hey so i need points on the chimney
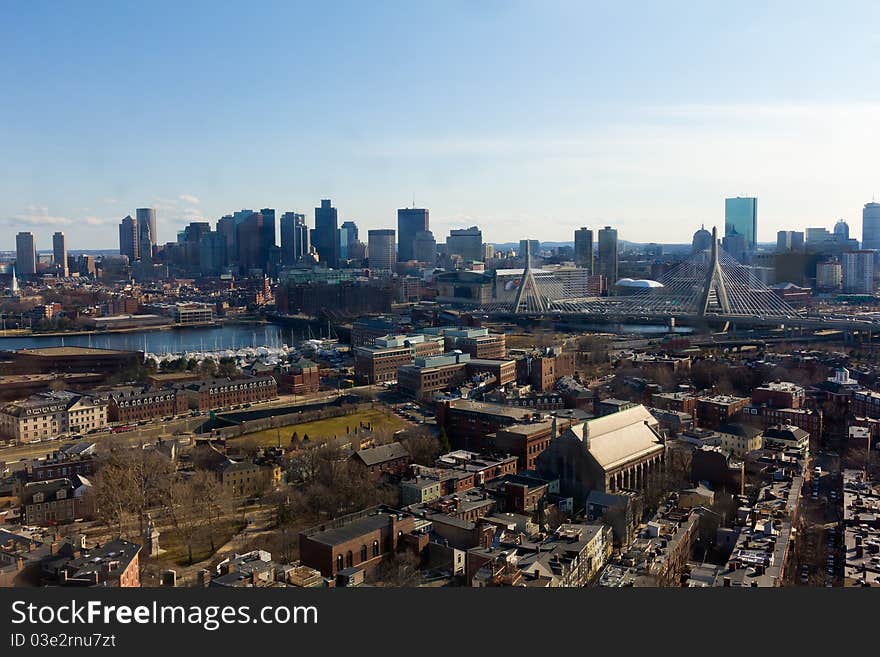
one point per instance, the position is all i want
(554, 428)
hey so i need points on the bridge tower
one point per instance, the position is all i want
(714, 281)
(528, 296)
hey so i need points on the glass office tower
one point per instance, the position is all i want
(741, 218)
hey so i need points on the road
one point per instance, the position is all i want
(820, 557)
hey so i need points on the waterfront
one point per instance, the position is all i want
(176, 340)
(234, 336)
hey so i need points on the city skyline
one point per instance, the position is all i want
(604, 131)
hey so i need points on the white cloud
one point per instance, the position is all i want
(37, 216)
(189, 198)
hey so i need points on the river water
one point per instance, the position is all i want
(233, 336)
(178, 340)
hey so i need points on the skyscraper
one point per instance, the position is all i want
(59, 253)
(466, 243)
(380, 249)
(409, 222)
(871, 226)
(607, 251)
(191, 239)
(534, 247)
(425, 247)
(741, 218)
(789, 240)
(226, 227)
(348, 236)
(25, 254)
(268, 245)
(294, 237)
(841, 231)
(269, 227)
(147, 235)
(858, 272)
(128, 238)
(583, 248)
(326, 235)
(253, 245)
(212, 253)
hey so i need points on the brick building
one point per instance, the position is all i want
(66, 462)
(135, 403)
(541, 368)
(504, 371)
(712, 412)
(363, 540)
(74, 359)
(681, 402)
(378, 362)
(223, 393)
(114, 564)
(430, 375)
(866, 403)
(525, 398)
(779, 395)
(527, 440)
(477, 342)
(466, 422)
(809, 420)
(391, 459)
(298, 378)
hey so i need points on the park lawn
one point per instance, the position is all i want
(321, 430)
(174, 549)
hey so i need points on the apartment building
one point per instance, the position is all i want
(55, 501)
(779, 395)
(136, 403)
(48, 415)
(866, 403)
(740, 439)
(223, 393)
(714, 411)
(378, 363)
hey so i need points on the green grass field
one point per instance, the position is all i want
(321, 430)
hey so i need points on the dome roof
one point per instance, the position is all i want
(638, 283)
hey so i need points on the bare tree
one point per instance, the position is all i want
(400, 570)
(185, 502)
(212, 502)
(128, 483)
(422, 445)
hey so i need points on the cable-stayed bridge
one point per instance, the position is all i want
(709, 286)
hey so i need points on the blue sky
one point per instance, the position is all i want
(528, 119)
